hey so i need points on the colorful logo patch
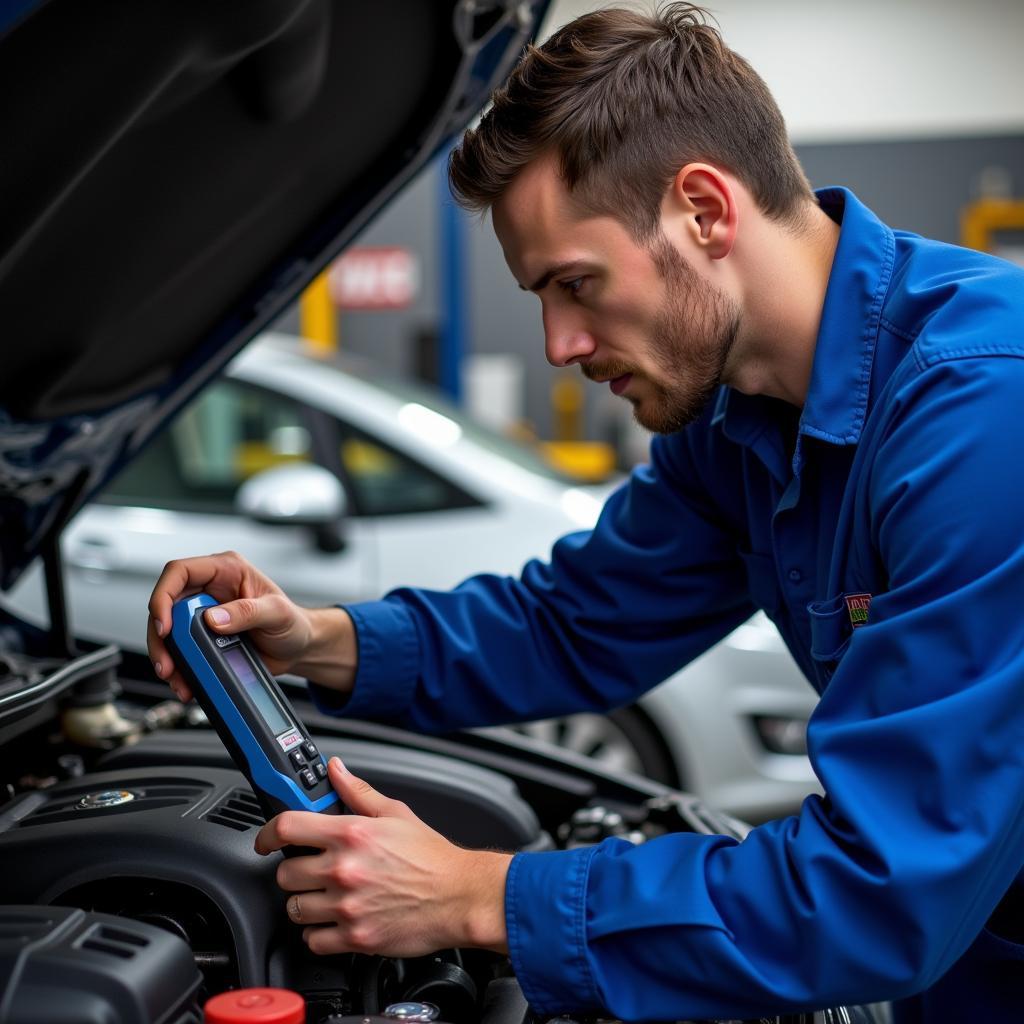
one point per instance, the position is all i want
(857, 606)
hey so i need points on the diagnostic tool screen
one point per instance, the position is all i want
(265, 704)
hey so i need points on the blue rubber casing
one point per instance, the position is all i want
(248, 738)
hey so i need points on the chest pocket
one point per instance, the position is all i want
(761, 581)
(831, 633)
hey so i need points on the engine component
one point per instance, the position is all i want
(184, 836)
(101, 726)
(415, 1013)
(89, 716)
(71, 766)
(181, 910)
(472, 806)
(177, 819)
(443, 983)
(390, 987)
(504, 1003)
(590, 825)
(680, 812)
(256, 1006)
(80, 968)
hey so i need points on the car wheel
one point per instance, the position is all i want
(622, 740)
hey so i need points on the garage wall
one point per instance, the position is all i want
(915, 105)
(919, 185)
(874, 69)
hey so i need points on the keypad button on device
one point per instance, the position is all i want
(309, 749)
(321, 770)
(297, 760)
(308, 778)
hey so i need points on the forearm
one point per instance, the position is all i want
(331, 655)
(579, 633)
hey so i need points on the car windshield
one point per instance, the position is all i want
(515, 451)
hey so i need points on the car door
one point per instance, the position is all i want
(431, 529)
(177, 498)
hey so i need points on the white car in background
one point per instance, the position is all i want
(341, 486)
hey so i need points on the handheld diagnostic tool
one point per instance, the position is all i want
(251, 714)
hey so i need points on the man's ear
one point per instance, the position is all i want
(704, 204)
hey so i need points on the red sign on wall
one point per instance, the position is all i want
(374, 278)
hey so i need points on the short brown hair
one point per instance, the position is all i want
(625, 99)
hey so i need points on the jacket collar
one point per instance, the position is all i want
(837, 398)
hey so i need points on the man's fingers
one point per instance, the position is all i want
(297, 828)
(164, 666)
(219, 574)
(301, 874)
(158, 653)
(237, 616)
(324, 941)
(157, 650)
(271, 613)
(307, 828)
(361, 797)
(182, 577)
(310, 908)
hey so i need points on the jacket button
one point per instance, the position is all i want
(795, 575)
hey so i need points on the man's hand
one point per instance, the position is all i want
(319, 643)
(385, 882)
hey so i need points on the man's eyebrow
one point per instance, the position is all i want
(559, 268)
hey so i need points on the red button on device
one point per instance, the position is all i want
(256, 1006)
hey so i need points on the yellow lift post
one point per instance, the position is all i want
(318, 319)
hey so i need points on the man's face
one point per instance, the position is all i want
(638, 317)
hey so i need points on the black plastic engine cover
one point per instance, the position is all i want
(472, 806)
(183, 834)
(172, 843)
(63, 964)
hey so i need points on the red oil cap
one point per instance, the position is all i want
(256, 1006)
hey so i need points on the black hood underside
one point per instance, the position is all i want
(172, 174)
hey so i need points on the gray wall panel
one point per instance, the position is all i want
(919, 185)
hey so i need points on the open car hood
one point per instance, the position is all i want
(174, 173)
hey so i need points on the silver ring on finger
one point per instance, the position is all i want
(294, 911)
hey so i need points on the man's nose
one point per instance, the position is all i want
(566, 341)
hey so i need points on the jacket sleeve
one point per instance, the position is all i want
(617, 610)
(875, 890)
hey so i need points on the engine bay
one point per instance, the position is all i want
(126, 829)
(121, 802)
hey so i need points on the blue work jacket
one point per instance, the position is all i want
(881, 528)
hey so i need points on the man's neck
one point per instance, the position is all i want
(788, 275)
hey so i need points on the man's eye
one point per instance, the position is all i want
(573, 286)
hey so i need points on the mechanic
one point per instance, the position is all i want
(837, 407)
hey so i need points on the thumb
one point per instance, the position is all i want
(247, 613)
(360, 797)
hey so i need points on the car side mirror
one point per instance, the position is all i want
(297, 494)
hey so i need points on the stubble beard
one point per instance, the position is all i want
(690, 342)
